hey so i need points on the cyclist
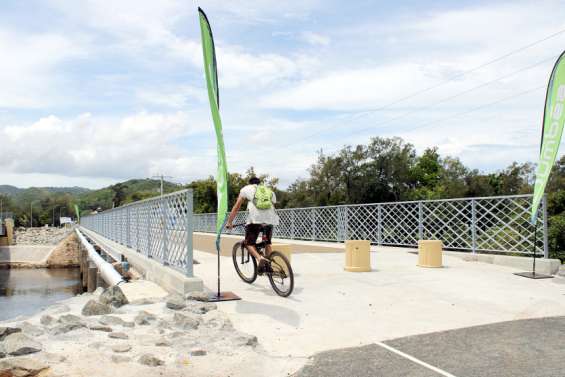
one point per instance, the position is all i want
(262, 217)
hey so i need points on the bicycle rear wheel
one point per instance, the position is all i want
(281, 276)
(244, 263)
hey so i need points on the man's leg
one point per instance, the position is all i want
(251, 234)
(268, 235)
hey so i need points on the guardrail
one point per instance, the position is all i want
(486, 224)
(159, 228)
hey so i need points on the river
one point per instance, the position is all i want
(27, 291)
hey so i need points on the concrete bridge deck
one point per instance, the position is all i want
(332, 309)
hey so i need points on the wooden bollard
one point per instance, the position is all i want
(92, 277)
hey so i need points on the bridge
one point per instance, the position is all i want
(401, 319)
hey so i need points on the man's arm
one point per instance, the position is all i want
(234, 212)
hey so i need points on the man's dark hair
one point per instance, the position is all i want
(254, 181)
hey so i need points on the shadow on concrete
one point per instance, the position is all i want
(275, 312)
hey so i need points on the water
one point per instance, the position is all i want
(27, 291)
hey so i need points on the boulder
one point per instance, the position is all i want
(93, 307)
(31, 330)
(46, 320)
(118, 335)
(144, 318)
(69, 318)
(100, 328)
(185, 321)
(175, 302)
(217, 320)
(5, 331)
(120, 359)
(111, 320)
(243, 339)
(2, 351)
(19, 344)
(121, 348)
(197, 296)
(22, 367)
(113, 296)
(68, 327)
(200, 307)
(150, 360)
(163, 343)
(98, 291)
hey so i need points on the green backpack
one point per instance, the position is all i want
(262, 199)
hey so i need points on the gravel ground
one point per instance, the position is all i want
(41, 236)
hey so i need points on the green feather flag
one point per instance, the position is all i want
(552, 130)
(213, 95)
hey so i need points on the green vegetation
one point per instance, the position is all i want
(385, 169)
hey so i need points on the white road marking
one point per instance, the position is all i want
(415, 360)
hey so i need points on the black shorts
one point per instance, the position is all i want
(252, 232)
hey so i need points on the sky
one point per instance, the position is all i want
(96, 92)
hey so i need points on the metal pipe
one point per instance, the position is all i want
(107, 271)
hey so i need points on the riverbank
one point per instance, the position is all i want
(170, 336)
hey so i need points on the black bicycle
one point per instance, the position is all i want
(278, 270)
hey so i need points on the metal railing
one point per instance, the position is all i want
(487, 224)
(159, 228)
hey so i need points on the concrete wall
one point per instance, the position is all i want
(25, 255)
(166, 277)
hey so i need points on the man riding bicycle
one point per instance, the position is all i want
(262, 217)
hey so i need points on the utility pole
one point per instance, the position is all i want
(162, 178)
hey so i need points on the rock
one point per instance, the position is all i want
(198, 352)
(144, 318)
(121, 348)
(185, 322)
(201, 307)
(197, 296)
(120, 359)
(5, 331)
(118, 335)
(163, 343)
(69, 318)
(46, 320)
(93, 307)
(19, 344)
(100, 328)
(22, 367)
(63, 329)
(2, 351)
(113, 296)
(111, 320)
(98, 291)
(31, 330)
(150, 360)
(217, 320)
(242, 339)
(175, 302)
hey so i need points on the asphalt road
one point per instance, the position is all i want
(528, 348)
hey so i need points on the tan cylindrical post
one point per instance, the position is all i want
(92, 277)
(357, 256)
(9, 223)
(284, 249)
(430, 253)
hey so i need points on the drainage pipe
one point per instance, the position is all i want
(107, 271)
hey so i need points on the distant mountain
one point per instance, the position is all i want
(9, 190)
(14, 191)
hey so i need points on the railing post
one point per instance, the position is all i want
(313, 219)
(345, 223)
(128, 227)
(420, 221)
(292, 223)
(545, 241)
(474, 226)
(379, 224)
(164, 213)
(189, 227)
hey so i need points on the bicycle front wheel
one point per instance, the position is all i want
(281, 276)
(245, 264)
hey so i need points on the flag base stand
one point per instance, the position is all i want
(223, 296)
(533, 275)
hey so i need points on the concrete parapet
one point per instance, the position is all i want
(543, 266)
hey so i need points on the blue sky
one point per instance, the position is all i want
(94, 92)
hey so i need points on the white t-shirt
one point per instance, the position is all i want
(256, 215)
